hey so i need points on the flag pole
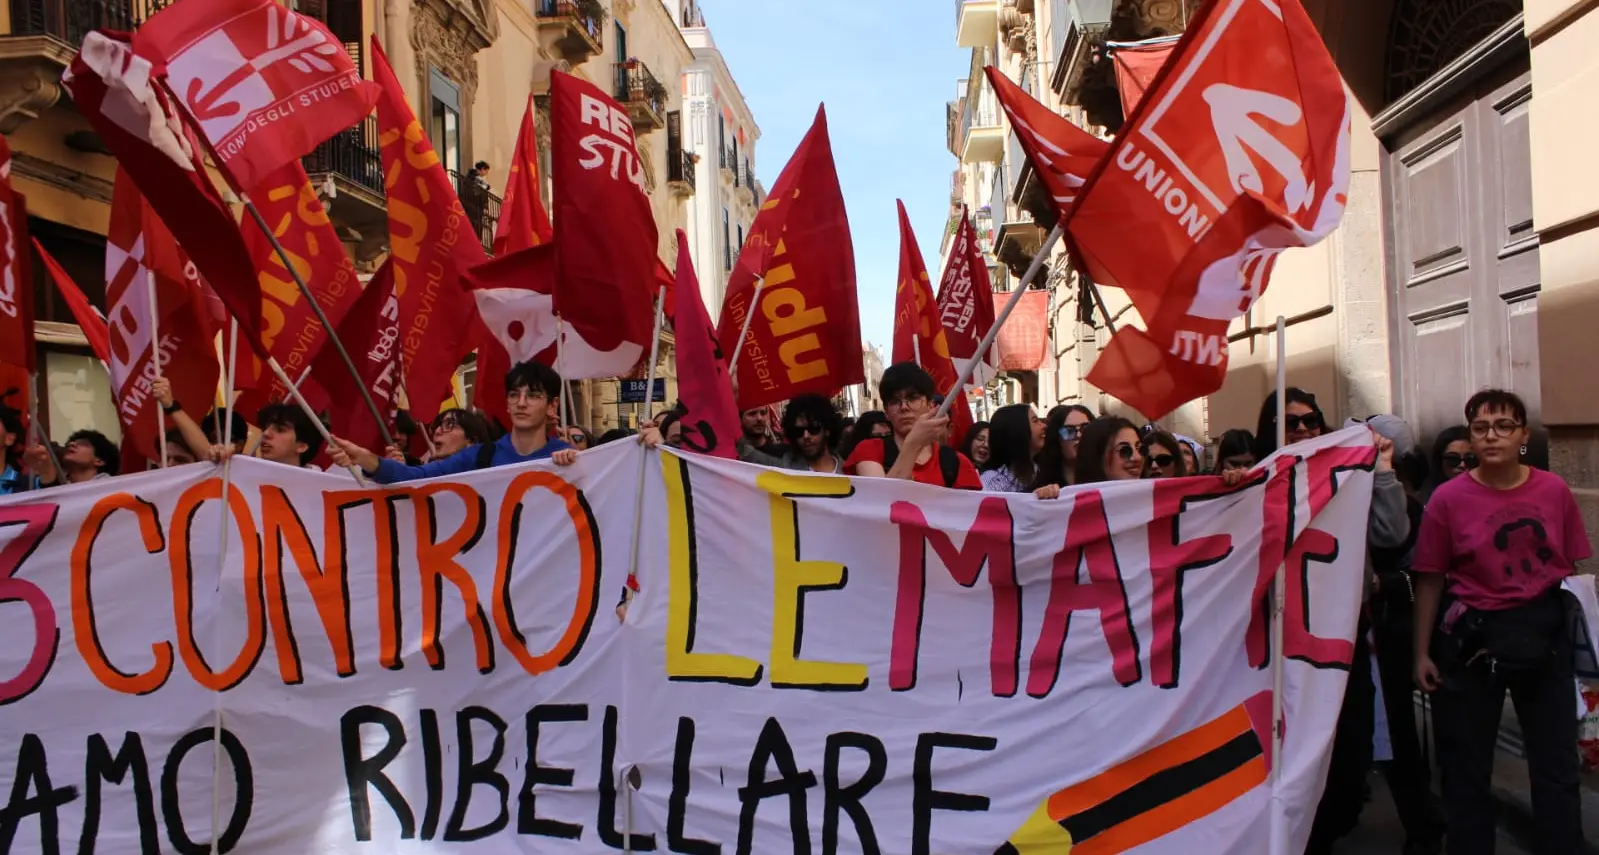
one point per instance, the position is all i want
(563, 406)
(649, 388)
(738, 347)
(294, 391)
(155, 359)
(38, 427)
(1004, 314)
(1279, 817)
(225, 429)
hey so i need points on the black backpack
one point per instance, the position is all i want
(949, 460)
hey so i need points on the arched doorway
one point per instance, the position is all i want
(1462, 251)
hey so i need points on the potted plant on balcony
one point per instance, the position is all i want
(655, 92)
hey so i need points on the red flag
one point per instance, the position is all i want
(291, 332)
(431, 243)
(16, 275)
(605, 255)
(523, 221)
(137, 122)
(264, 84)
(1137, 63)
(90, 321)
(371, 333)
(1023, 342)
(806, 333)
(141, 255)
(665, 279)
(1239, 151)
(966, 298)
(918, 334)
(704, 388)
(1062, 154)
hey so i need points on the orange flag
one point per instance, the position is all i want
(290, 330)
(918, 331)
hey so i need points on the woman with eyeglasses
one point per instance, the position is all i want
(1057, 463)
(1108, 449)
(1016, 435)
(1302, 420)
(1235, 451)
(455, 429)
(1451, 457)
(1502, 536)
(1163, 456)
(976, 447)
(577, 437)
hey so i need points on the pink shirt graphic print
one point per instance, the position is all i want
(1502, 548)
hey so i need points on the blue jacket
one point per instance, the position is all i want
(465, 460)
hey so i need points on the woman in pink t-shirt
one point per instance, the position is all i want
(1503, 536)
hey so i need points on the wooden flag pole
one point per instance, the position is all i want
(649, 387)
(1004, 314)
(738, 347)
(321, 316)
(38, 427)
(225, 429)
(1279, 821)
(155, 359)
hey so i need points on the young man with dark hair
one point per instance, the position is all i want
(288, 436)
(813, 429)
(918, 449)
(757, 426)
(88, 456)
(532, 393)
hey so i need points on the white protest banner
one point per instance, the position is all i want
(813, 664)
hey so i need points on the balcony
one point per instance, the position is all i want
(351, 163)
(976, 23)
(982, 136)
(681, 165)
(573, 27)
(729, 165)
(642, 95)
(482, 207)
(44, 36)
(744, 185)
(1083, 28)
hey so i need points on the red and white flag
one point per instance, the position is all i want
(16, 276)
(140, 256)
(114, 91)
(90, 321)
(704, 388)
(919, 336)
(1061, 153)
(966, 301)
(605, 232)
(1239, 150)
(370, 332)
(264, 84)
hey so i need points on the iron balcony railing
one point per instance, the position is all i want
(636, 84)
(71, 20)
(680, 166)
(482, 207)
(588, 15)
(353, 154)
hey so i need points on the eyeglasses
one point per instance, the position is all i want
(1070, 433)
(525, 395)
(1160, 460)
(448, 423)
(903, 401)
(1308, 421)
(1501, 428)
(1455, 461)
(1125, 451)
(577, 438)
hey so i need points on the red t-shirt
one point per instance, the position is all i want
(929, 472)
(1501, 548)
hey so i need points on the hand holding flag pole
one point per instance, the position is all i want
(993, 332)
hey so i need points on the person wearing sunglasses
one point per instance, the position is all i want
(1108, 449)
(1058, 461)
(577, 437)
(1303, 419)
(1502, 536)
(813, 429)
(1451, 457)
(1163, 455)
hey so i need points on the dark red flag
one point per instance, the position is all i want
(1239, 150)
(606, 237)
(704, 388)
(1061, 153)
(966, 300)
(89, 319)
(16, 274)
(1137, 63)
(805, 336)
(918, 333)
(141, 258)
(523, 220)
(371, 333)
(138, 123)
(264, 84)
(431, 241)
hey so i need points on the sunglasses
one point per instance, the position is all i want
(807, 430)
(1161, 460)
(577, 439)
(1070, 433)
(1125, 452)
(1308, 421)
(1454, 461)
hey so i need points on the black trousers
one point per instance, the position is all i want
(1345, 794)
(1466, 713)
(1408, 774)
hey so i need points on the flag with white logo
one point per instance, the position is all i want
(1061, 153)
(16, 279)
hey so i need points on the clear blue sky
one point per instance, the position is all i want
(885, 69)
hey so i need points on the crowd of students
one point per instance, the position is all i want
(1467, 549)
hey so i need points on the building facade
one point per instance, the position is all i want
(468, 68)
(1469, 252)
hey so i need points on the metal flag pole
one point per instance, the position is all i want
(993, 332)
(294, 391)
(155, 360)
(743, 331)
(333, 336)
(38, 427)
(644, 459)
(561, 410)
(225, 429)
(1279, 817)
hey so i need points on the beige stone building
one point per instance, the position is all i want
(1469, 255)
(468, 67)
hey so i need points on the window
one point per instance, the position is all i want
(740, 243)
(721, 138)
(621, 43)
(444, 120)
(727, 246)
